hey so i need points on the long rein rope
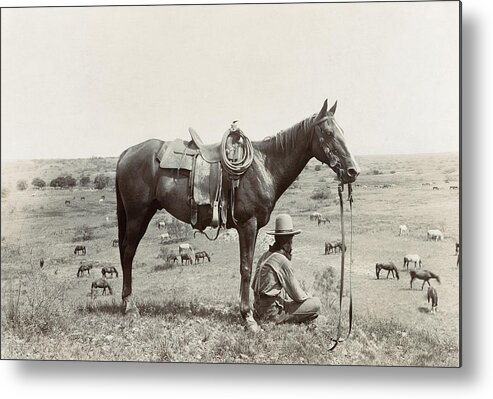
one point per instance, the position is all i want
(343, 252)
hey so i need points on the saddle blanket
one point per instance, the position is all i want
(176, 155)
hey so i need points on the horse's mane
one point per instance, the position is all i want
(288, 139)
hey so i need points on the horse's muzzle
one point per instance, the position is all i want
(349, 175)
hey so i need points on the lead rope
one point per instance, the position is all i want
(343, 251)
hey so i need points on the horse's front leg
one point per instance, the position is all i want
(247, 233)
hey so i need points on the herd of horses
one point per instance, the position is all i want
(417, 273)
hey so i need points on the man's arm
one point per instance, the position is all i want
(291, 284)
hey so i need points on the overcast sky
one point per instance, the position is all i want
(81, 82)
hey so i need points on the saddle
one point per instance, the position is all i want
(205, 164)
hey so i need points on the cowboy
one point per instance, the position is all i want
(278, 296)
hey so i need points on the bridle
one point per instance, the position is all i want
(335, 162)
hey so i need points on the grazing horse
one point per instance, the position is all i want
(187, 258)
(322, 220)
(412, 258)
(109, 270)
(435, 235)
(82, 198)
(315, 216)
(142, 187)
(424, 275)
(84, 268)
(202, 255)
(101, 283)
(433, 295)
(403, 230)
(80, 249)
(332, 246)
(390, 267)
(453, 187)
(67, 202)
(114, 242)
(435, 188)
(171, 257)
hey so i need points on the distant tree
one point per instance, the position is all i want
(38, 183)
(84, 181)
(70, 181)
(101, 181)
(21, 184)
(58, 182)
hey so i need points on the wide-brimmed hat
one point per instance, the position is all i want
(284, 226)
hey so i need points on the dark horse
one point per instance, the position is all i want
(142, 187)
(84, 268)
(424, 275)
(433, 296)
(80, 249)
(109, 270)
(101, 283)
(202, 255)
(390, 267)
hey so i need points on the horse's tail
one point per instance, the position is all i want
(122, 219)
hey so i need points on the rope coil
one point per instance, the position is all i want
(237, 168)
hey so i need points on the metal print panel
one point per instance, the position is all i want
(263, 183)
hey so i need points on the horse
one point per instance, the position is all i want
(315, 216)
(109, 270)
(332, 246)
(435, 188)
(453, 187)
(415, 258)
(161, 225)
(80, 249)
(102, 198)
(187, 258)
(84, 268)
(165, 237)
(322, 220)
(142, 187)
(433, 295)
(435, 235)
(41, 263)
(67, 202)
(424, 275)
(390, 267)
(202, 255)
(114, 243)
(82, 198)
(403, 230)
(171, 257)
(101, 283)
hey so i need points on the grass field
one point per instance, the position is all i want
(191, 314)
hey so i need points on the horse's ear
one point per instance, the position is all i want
(333, 109)
(323, 111)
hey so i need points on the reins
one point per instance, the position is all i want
(343, 255)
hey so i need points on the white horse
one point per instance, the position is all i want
(315, 216)
(435, 235)
(164, 237)
(415, 258)
(403, 230)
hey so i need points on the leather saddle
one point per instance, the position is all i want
(210, 152)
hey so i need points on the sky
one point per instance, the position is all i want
(93, 81)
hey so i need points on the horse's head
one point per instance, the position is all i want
(329, 145)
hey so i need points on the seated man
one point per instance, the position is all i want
(278, 294)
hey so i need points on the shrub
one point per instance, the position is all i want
(83, 233)
(37, 305)
(38, 183)
(5, 192)
(101, 181)
(163, 266)
(392, 172)
(320, 194)
(84, 181)
(326, 284)
(70, 181)
(177, 229)
(317, 168)
(21, 185)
